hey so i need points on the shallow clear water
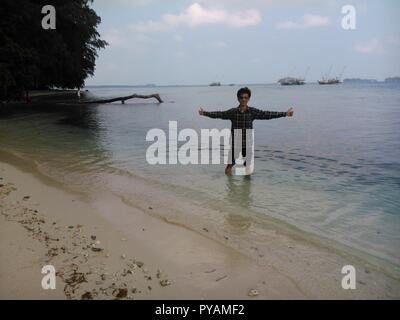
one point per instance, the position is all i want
(333, 169)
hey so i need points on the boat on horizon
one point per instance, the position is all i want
(329, 81)
(294, 81)
(291, 81)
(326, 80)
(215, 84)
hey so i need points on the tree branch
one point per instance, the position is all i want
(123, 99)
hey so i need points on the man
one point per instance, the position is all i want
(242, 117)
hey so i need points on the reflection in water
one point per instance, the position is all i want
(85, 117)
(239, 196)
(65, 141)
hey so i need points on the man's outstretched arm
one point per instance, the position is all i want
(267, 115)
(216, 114)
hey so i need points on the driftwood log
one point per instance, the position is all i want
(123, 99)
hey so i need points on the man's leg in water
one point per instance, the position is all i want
(228, 169)
(229, 166)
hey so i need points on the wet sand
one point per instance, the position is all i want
(106, 248)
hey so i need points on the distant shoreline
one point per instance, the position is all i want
(229, 85)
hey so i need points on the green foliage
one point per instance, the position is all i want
(34, 58)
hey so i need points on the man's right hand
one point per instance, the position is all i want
(201, 111)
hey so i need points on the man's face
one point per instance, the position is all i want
(244, 99)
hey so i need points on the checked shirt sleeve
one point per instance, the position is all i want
(218, 114)
(267, 115)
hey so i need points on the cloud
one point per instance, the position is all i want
(178, 38)
(393, 39)
(308, 21)
(127, 3)
(180, 54)
(114, 38)
(371, 46)
(196, 15)
(390, 43)
(123, 39)
(272, 3)
(219, 44)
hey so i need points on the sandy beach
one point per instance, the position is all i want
(104, 249)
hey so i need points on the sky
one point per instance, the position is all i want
(196, 42)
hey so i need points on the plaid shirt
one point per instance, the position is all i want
(244, 120)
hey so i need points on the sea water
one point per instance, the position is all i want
(333, 169)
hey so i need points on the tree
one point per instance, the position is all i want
(34, 58)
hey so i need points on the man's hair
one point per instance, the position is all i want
(243, 91)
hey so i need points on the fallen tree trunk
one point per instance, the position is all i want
(123, 99)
